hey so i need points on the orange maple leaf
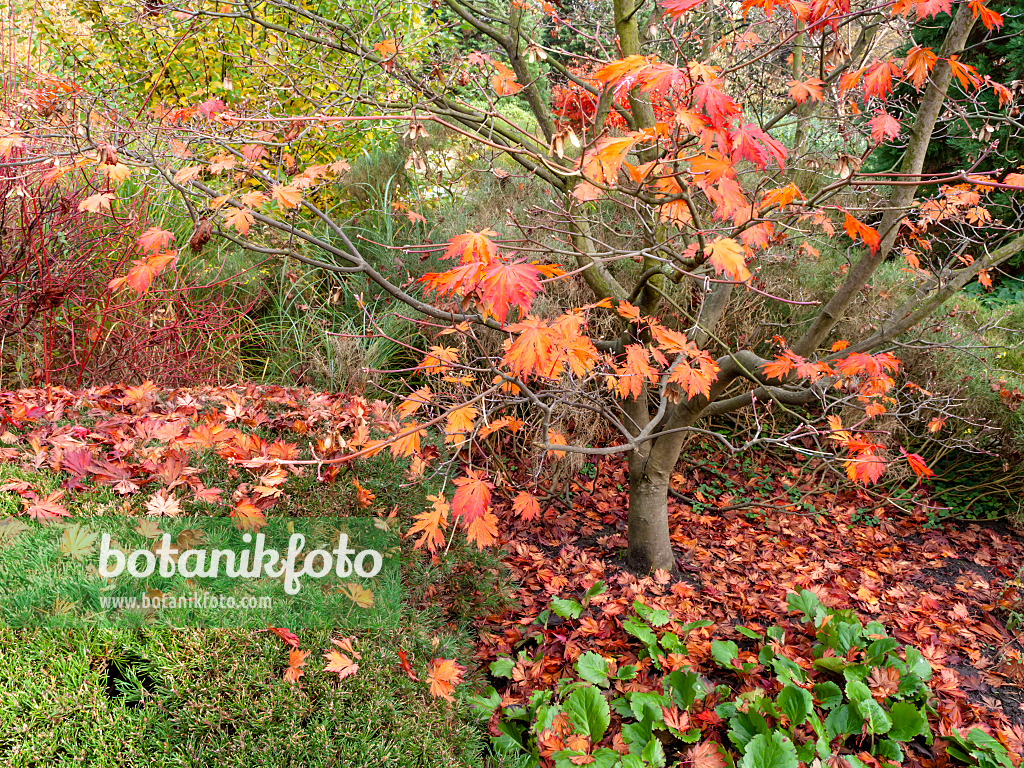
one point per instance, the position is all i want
(460, 424)
(917, 464)
(878, 78)
(535, 351)
(340, 663)
(247, 515)
(155, 239)
(884, 126)
(695, 376)
(634, 373)
(443, 675)
(296, 660)
(526, 506)
(364, 496)
(504, 286)
(286, 635)
(96, 203)
(286, 197)
(710, 168)
(782, 196)
(407, 441)
(505, 422)
(728, 257)
(989, 18)
(431, 523)
(603, 163)
(188, 173)
(856, 230)
(802, 90)
(239, 219)
(504, 80)
(919, 64)
(386, 48)
(140, 276)
(676, 8)
(483, 530)
(611, 73)
(439, 360)
(413, 402)
(472, 247)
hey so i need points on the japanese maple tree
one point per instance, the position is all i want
(679, 167)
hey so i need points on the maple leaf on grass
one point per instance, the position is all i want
(148, 529)
(162, 503)
(247, 516)
(207, 495)
(286, 635)
(296, 661)
(77, 541)
(364, 496)
(359, 595)
(432, 524)
(443, 675)
(403, 659)
(340, 663)
(47, 509)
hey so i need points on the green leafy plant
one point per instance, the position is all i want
(856, 691)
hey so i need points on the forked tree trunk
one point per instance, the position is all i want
(650, 470)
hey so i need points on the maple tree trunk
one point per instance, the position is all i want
(650, 470)
(650, 547)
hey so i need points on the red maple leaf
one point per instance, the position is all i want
(472, 496)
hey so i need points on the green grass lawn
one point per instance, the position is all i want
(204, 697)
(212, 698)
